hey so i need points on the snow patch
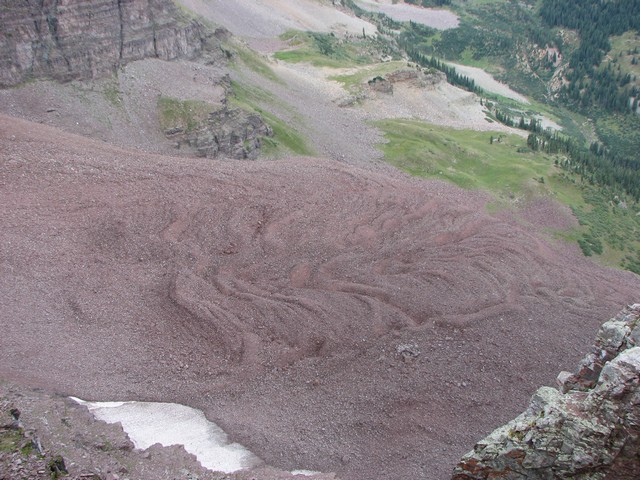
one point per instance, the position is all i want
(168, 424)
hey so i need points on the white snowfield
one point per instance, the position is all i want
(173, 424)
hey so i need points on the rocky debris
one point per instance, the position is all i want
(417, 77)
(297, 263)
(411, 76)
(228, 132)
(21, 452)
(92, 38)
(78, 447)
(589, 429)
(380, 85)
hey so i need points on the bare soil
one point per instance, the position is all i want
(279, 297)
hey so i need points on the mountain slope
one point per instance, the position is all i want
(279, 297)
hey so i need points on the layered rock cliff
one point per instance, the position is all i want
(82, 39)
(589, 428)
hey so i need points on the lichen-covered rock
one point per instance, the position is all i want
(589, 430)
(83, 39)
(615, 336)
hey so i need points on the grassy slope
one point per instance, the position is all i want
(511, 172)
(286, 139)
(506, 168)
(327, 50)
(184, 114)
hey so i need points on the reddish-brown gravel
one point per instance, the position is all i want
(276, 296)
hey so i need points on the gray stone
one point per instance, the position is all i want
(589, 430)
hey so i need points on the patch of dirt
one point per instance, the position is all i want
(443, 105)
(545, 213)
(440, 104)
(275, 297)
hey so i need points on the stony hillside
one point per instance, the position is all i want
(337, 316)
(326, 316)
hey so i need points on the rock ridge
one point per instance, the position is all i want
(84, 39)
(589, 428)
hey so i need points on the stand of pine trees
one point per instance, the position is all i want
(590, 84)
(453, 77)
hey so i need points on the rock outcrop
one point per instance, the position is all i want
(83, 39)
(228, 132)
(589, 428)
(417, 78)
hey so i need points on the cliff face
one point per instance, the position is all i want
(82, 39)
(588, 429)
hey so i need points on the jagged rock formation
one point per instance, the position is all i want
(83, 39)
(588, 429)
(230, 132)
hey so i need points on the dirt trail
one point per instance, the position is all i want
(278, 297)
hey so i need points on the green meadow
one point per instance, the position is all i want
(504, 166)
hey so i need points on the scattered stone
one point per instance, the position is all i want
(408, 351)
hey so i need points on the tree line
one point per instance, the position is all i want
(453, 77)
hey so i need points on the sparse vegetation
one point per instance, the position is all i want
(354, 80)
(112, 92)
(328, 50)
(286, 139)
(253, 61)
(10, 440)
(186, 115)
